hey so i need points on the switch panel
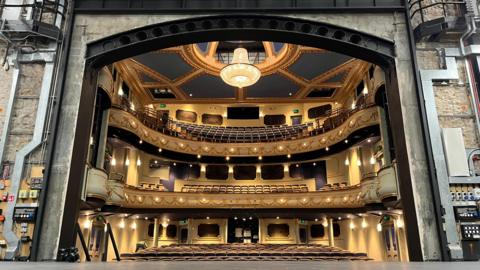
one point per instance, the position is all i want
(466, 213)
(25, 214)
(470, 231)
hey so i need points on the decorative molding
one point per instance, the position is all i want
(124, 120)
(345, 198)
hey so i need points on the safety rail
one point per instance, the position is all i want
(429, 17)
(37, 19)
(219, 134)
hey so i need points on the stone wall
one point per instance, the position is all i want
(5, 85)
(452, 98)
(25, 109)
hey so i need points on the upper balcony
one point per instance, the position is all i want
(178, 136)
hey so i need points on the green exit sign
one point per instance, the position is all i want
(163, 105)
(296, 110)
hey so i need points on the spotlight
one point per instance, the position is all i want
(278, 217)
(235, 218)
(314, 164)
(160, 150)
(199, 156)
(327, 149)
(140, 142)
(260, 158)
(208, 217)
(289, 156)
(227, 158)
(346, 141)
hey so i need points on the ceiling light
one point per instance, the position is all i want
(260, 158)
(199, 156)
(139, 162)
(346, 141)
(140, 142)
(240, 73)
(227, 158)
(314, 164)
(190, 94)
(289, 156)
(326, 148)
(290, 94)
(160, 150)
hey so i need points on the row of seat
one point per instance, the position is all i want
(221, 134)
(243, 251)
(246, 189)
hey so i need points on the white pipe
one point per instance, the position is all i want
(9, 228)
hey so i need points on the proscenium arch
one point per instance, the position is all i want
(236, 27)
(241, 27)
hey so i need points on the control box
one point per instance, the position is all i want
(466, 213)
(470, 231)
(25, 214)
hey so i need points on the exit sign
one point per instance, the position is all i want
(296, 110)
(163, 105)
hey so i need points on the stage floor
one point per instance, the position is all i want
(239, 266)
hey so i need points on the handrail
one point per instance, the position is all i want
(417, 7)
(332, 119)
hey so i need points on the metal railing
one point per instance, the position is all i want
(422, 11)
(166, 125)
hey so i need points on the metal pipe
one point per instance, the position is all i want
(471, 29)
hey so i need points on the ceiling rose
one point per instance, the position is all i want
(240, 73)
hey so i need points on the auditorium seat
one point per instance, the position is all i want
(238, 251)
(244, 189)
(221, 134)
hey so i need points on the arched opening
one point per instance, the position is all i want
(335, 39)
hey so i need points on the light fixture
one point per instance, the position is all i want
(208, 217)
(235, 218)
(379, 227)
(346, 141)
(140, 142)
(199, 156)
(134, 225)
(113, 161)
(353, 105)
(174, 164)
(160, 150)
(227, 158)
(399, 223)
(289, 156)
(347, 162)
(139, 162)
(121, 225)
(364, 224)
(278, 217)
(352, 225)
(240, 73)
(120, 92)
(372, 160)
(314, 164)
(326, 148)
(325, 222)
(86, 224)
(359, 163)
(260, 157)
(127, 162)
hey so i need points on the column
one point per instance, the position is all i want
(155, 232)
(331, 237)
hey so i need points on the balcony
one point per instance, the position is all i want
(216, 140)
(372, 190)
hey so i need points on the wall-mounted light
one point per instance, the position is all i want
(86, 224)
(134, 225)
(373, 160)
(359, 162)
(352, 225)
(113, 161)
(120, 92)
(379, 227)
(347, 162)
(199, 156)
(139, 162)
(121, 225)
(132, 106)
(353, 105)
(325, 222)
(227, 158)
(260, 157)
(364, 223)
(399, 223)
(160, 150)
(127, 161)
(327, 149)
(289, 156)
(140, 141)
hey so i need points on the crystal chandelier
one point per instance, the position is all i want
(240, 73)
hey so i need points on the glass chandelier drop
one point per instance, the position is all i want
(240, 73)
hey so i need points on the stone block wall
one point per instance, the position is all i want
(5, 85)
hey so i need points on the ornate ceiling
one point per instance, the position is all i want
(290, 73)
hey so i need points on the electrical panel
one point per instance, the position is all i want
(470, 231)
(466, 213)
(25, 214)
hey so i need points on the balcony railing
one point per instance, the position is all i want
(431, 17)
(220, 134)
